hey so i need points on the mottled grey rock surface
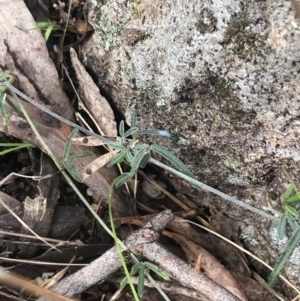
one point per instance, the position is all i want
(225, 76)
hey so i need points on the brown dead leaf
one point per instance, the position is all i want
(97, 164)
(211, 266)
(225, 252)
(97, 105)
(87, 141)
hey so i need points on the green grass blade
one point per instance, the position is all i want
(177, 163)
(21, 145)
(118, 247)
(48, 32)
(281, 226)
(15, 144)
(284, 257)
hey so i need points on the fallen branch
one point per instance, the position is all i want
(143, 243)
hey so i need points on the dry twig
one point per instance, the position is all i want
(143, 243)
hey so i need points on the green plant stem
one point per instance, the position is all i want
(215, 191)
(21, 145)
(118, 247)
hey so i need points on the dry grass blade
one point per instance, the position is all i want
(15, 281)
(57, 277)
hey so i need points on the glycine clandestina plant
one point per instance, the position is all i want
(137, 154)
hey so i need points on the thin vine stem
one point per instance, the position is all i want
(118, 247)
(214, 191)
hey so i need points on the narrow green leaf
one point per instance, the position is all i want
(42, 25)
(14, 148)
(141, 280)
(15, 107)
(288, 191)
(4, 113)
(72, 171)
(119, 158)
(9, 144)
(281, 226)
(177, 163)
(141, 146)
(121, 128)
(122, 179)
(291, 210)
(80, 155)
(145, 160)
(116, 146)
(157, 270)
(294, 198)
(130, 132)
(128, 156)
(123, 283)
(48, 32)
(69, 144)
(293, 224)
(290, 179)
(284, 257)
(4, 75)
(138, 158)
(135, 268)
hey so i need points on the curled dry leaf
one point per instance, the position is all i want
(90, 95)
(87, 140)
(212, 267)
(97, 164)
